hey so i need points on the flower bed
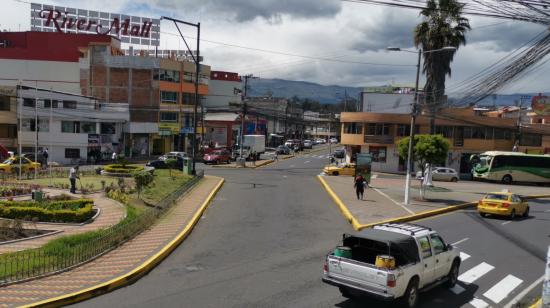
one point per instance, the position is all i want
(78, 210)
(126, 169)
(16, 189)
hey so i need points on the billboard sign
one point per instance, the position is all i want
(541, 105)
(129, 29)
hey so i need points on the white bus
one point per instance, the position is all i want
(509, 167)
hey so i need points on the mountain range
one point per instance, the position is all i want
(332, 94)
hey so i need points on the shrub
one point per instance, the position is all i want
(51, 211)
(118, 195)
(143, 180)
(118, 168)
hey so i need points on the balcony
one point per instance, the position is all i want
(381, 139)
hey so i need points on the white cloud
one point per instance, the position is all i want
(323, 28)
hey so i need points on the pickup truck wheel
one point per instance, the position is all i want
(335, 173)
(345, 292)
(452, 278)
(526, 213)
(410, 299)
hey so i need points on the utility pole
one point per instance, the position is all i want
(328, 139)
(244, 110)
(411, 133)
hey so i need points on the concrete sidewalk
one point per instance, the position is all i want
(384, 198)
(114, 265)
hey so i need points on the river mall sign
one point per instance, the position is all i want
(131, 29)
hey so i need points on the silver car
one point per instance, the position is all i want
(441, 174)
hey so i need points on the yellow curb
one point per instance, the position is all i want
(267, 162)
(536, 196)
(537, 304)
(345, 211)
(136, 273)
(421, 215)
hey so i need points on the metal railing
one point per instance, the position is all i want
(51, 259)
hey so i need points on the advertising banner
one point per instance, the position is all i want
(129, 29)
(541, 105)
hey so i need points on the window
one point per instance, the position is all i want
(425, 248)
(8, 131)
(29, 102)
(439, 245)
(378, 154)
(72, 153)
(108, 128)
(167, 75)
(69, 104)
(378, 129)
(188, 98)
(353, 128)
(70, 127)
(50, 103)
(168, 116)
(29, 125)
(502, 134)
(4, 103)
(188, 77)
(88, 127)
(532, 140)
(404, 130)
(168, 97)
(446, 131)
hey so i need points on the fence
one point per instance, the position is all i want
(47, 260)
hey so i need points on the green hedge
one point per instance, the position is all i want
(117, 168)
(55, 211)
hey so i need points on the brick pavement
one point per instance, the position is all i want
(117, 262)
(111, 213)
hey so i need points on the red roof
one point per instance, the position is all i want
(47, 46)
(228, 76)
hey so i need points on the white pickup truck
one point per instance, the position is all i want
(419, 257)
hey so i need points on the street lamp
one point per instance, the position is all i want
(413, 113)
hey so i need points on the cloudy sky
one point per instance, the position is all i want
(267, 38)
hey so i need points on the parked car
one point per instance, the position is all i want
(503, 204)
(339, 153)
(441, 174)
(12, 163)
(217, 157)
(392, 262)
(161, 164)
(283, 150)
(320, 141)
(333, 140)
(172, 155)
(308, 144)
(345, 169)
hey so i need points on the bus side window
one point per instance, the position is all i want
(497, 162)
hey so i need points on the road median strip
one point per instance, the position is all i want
(137, 272)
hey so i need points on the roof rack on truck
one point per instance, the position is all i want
(407, 227)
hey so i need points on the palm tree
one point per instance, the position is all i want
(442, 26)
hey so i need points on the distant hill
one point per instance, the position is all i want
(333, 94)
(302, 89)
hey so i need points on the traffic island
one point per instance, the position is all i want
(248, 164)
(382, 200)
(120, 266)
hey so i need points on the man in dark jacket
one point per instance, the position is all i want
(359, 185)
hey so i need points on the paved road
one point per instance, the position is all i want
(264, 247)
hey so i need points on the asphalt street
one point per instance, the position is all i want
(262, 243)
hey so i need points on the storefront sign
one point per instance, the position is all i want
(186, 130)
(93, 140)
(130, 29)
(541, 105)
(173, 128)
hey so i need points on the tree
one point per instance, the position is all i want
(143, 179)
(171, 163)
(442, 26)
(430, 149)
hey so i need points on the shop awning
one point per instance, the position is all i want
(221, 116)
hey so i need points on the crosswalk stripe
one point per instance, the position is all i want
(457, 289)
(476, 272)
(464, 256)
(479, 303)
(501, 290)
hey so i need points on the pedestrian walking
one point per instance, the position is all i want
(73, 175)
(114, 157)
(276, 156)
(45, 155)
(254, 157)
(359, 185)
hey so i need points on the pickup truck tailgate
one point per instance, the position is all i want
(357, 274)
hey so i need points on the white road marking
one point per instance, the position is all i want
(374, 176)
(500, 290)
(401, 205)
(307, 161)
(457, 289)
(284, 176)
(547, 211)
(506, 222)
(479, 303)
(476, 272)
(464, 256)
(292, 166)
(462, 240)
(522, 294)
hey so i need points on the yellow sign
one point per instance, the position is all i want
(172, 127)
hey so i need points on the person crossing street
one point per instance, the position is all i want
(359, 185)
